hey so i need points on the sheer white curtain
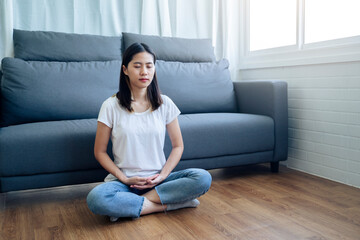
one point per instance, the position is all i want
(216, 19)
(6, 27)
(226, 35)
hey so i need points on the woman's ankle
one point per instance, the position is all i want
(151, 207)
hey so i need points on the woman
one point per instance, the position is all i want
(141, 180)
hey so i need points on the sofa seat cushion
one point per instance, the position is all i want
(221, 134)
(62, 146)
(48, 147)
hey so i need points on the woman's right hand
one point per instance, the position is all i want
(136, 181)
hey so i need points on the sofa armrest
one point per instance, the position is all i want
(267, 98)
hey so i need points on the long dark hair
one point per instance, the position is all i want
(124, 93)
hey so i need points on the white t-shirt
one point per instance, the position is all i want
(137, 138)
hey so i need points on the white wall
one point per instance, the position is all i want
(324, 118)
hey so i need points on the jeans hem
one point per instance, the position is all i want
(141, 207)
(159, 195)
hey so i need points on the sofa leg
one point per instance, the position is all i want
(274, 167)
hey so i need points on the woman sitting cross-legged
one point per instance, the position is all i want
(141, 179)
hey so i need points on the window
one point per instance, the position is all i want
(272, 23)
(331, 19)
(296, 32)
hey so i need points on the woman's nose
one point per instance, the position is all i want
(143, 71)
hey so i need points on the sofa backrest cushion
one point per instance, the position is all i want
(43, 91)
(56, 46)
(197, 87)
(174, 49)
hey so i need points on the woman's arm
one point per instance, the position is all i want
(174, 132)
(100, 150)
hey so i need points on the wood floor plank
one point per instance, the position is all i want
(246, 202)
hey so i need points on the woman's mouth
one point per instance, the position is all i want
(144, 79)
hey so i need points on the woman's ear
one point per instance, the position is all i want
(125, 70)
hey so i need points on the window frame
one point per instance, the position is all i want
(331, 51)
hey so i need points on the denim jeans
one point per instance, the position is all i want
(119, 200)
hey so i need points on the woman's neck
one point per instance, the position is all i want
(139, 95)
(140, 101)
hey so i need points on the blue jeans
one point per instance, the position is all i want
(119, 200)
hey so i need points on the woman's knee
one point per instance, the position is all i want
(93, 200)
(203, 178)
(98, 197)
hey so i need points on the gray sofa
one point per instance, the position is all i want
(52, 90)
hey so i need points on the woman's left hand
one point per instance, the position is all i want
(151, 182)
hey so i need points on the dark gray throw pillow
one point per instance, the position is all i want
(197, 87)
(43, 91)
(174, 49)
(56, 46)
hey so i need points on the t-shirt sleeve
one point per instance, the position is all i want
(106, 114)
(172, 111)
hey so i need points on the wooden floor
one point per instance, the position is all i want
(243, 203)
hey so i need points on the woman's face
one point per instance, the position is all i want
(140, 70)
